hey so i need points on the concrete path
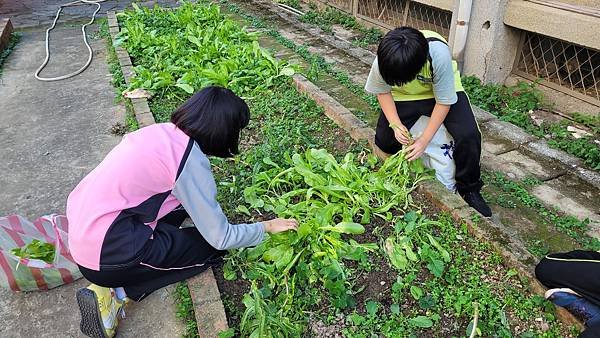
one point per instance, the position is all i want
(51, 135)
(32, 13)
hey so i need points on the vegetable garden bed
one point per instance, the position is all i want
(370, 258)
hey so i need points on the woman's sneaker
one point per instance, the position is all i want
(100, 311)
(577, 305)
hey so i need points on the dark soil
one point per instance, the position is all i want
(232, 293)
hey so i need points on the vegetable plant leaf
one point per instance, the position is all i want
(421, 321)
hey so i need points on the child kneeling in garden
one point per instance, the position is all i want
(573, 279)
(125, 216)
(414, 75)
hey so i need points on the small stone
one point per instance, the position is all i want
(539, 319)
(382, 283)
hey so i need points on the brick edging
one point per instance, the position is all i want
(513, 251)
(141, 109)
(6, 30)
(535, 146)
(206, 298)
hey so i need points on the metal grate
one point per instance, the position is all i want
(394, 13)
(344, 5)
(386, 13)
(562, 65)
(426, 17)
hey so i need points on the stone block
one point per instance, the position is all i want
(123, 56)
(482, 116)
(112, 19)
(440, 196)
(541, 148)
(113, 31)
(208, 308)
(503, 238)
(590, 176)
(125, 61)
(554, 198)
(517, 165)
(507, 131)
(140, 106)
(363, 134)
(494, 144)
(145, 119)
(576, 189)
(128, 73)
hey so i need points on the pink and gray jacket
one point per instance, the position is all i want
(113, 211)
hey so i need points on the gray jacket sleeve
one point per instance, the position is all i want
(195, 188)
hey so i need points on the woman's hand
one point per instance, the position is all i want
(415, 150)
(401, 134)
(279, 225)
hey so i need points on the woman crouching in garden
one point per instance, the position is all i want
(125, 216)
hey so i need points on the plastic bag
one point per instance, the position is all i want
(439, 153)
(20, 274)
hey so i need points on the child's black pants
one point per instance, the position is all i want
(170, 256)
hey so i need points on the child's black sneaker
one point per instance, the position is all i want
(577, 305)
(476, 201)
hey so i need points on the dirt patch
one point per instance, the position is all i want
(232, 293)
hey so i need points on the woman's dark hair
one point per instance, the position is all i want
(401, 55)
(213, 117)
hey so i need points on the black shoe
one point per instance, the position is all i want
(476, 201)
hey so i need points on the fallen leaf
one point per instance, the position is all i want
(137, 94)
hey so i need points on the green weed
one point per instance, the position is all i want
(317, 63)
(513, 104)
(514, 194)
(185, 310)
(117, 79)
(12, 42)
(324, 19)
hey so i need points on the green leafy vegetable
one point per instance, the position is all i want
(36, 249)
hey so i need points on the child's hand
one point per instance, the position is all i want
(401, 134)
(279, 225)
(415, 150)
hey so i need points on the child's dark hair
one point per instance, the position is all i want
(401, 55)
(213, 117)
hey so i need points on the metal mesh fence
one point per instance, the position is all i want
(426, 17)
(561, 63)
(344, 5)
(387, 13)
(394, 13)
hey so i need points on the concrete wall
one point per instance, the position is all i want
(587, 3)
(442, 4)
(491, 45)
(565, 25)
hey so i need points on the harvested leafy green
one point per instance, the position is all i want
(36, 250)
(330, 199)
